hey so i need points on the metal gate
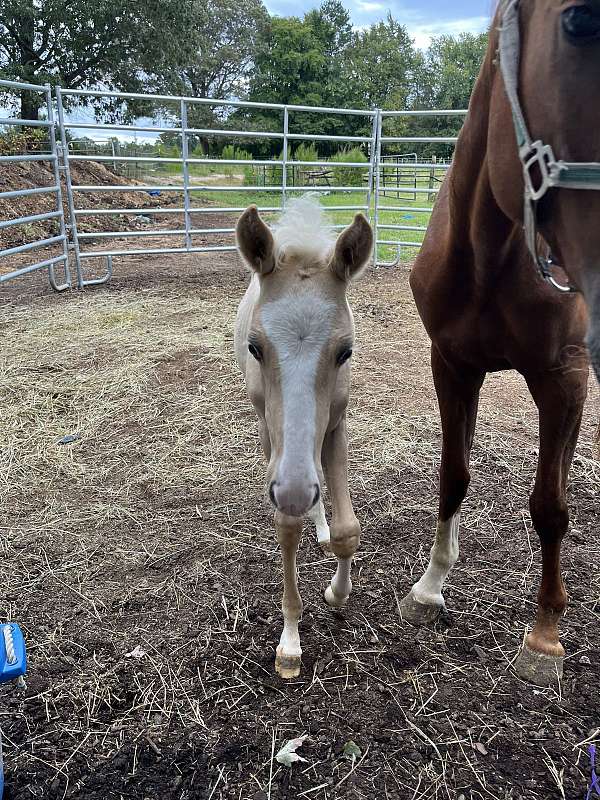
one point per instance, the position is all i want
(277, 170)
(407, 235)
(54, 248)
(282, 177)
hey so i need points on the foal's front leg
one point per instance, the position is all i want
(345, 528)
(317, 515)
(289, 653)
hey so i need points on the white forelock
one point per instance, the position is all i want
(303, 231)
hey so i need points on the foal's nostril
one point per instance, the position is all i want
(272, 493)
(317, 495)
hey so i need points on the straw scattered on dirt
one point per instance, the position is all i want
(142, 563)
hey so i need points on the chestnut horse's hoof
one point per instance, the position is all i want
(539, 668)
(419, 614)
(333, 601)
(287, 667)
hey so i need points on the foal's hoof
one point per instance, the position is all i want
(539, 668)
(287, 667)
(419, 614)
(332, 599)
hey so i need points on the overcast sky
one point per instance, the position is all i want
(423, 18)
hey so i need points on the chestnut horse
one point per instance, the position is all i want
(294, 336)
(486, 306)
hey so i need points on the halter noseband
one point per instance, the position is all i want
(553, 173)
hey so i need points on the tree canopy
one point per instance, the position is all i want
(85, 43)
(224, 49)
(222, 38)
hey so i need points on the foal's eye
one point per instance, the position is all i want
(343, 356)
(581, 23)
(255, 351)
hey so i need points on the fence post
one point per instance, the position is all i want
(284, 156)
(64, 152)
(378, 125)
(372, 162)
(186, 174)
(59, 200)
(432, 172)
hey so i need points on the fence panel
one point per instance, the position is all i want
(411, 180)
(183, 182)
(191, 174)
(20, 259)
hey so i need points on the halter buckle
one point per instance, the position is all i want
(540, 155)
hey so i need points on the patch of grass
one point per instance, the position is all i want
(402, 207)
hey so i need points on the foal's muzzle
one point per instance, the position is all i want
(294, 499)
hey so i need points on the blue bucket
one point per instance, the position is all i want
(13, 665)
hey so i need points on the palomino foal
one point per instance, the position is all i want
(294, 335)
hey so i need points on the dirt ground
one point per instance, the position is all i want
(142, 565)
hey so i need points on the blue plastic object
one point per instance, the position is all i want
(13, 665)
(13, 661)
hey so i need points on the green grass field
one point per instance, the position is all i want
(329, 198)
(412, 204)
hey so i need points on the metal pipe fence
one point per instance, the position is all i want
(190, 189)
(415, 178)
(195, 182)
(49, 261)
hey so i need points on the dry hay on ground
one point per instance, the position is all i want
(143, 566)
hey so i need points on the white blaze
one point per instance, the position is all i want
(298, 326)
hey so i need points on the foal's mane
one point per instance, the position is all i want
(303, 233)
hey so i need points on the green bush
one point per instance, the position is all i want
(16, 141)
(232, 153)
(271, 176)
(306, 152)
(349, 176)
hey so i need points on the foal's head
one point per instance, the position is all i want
(559, 86)
(300, 340)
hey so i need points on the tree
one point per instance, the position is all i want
(81, 43)
(290, 65)
(301, 62)
(444, 78)
(222, 38)
(332, 29)
(451, 68)
(379, 66)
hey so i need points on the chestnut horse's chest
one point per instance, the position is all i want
(512, 323)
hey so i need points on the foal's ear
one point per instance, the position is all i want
(255, 242)
(353, 249)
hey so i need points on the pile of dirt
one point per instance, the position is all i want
(35, 174)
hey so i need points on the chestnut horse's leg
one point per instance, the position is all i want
(288, 658)
(345, 528)
(458, 397)
(560, 397)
